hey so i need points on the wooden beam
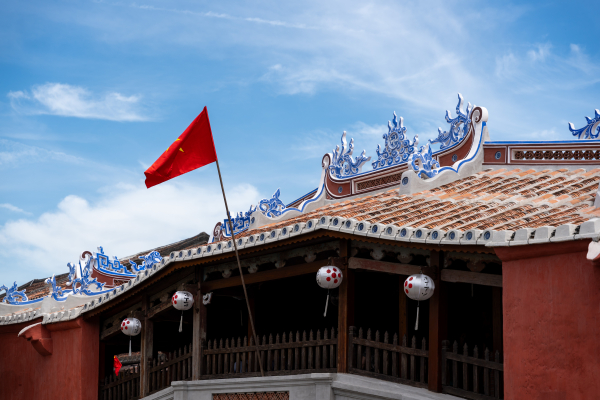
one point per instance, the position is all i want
(452, 275)
(108, 332)
(281, 273)
(345, 306)
(171, 288)
(437, 322)
(383, 266)
(159, 308)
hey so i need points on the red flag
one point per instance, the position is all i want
(193, 149)
(117, 364)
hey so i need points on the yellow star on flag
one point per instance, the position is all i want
(180, 149)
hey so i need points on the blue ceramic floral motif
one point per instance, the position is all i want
(397, 145)
(12, 293)
(590, 131)
(343, 164)
(459, 126)
(272, 207)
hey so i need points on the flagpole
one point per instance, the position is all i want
(241, 273)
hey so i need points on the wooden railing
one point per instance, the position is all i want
(126, 386)
(478, 378)
(389, 361)
(169, 367)
(284, 356)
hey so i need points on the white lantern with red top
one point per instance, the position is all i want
(329, 277)
(183, 301)
(419, 287)
(131, 327)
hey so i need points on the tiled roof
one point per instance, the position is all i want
(165, 251)
(37, 288)
(493, 208)
(499, 199)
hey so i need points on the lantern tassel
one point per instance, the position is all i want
(130, 346)
(326, 304)
(181, 323)
(417, 322)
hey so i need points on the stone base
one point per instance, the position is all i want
(300, 387)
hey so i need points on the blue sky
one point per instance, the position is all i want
(91, 93)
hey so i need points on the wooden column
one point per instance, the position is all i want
(102, 366)
(403, 323)
(345, 307)
(437, 321)
(199, 327)
(147, 348)
(253, 311)
(497, 319)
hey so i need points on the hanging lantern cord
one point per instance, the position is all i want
(130, 346)
(326, 303)
(417, 322)
(181, 322)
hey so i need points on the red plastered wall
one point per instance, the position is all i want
(551, 303)
(71, 372)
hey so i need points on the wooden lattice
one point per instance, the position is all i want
(252, 396)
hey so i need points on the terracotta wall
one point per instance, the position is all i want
(551, 300)
(70, 372)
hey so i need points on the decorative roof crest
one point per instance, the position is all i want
(343, 164)
(398, 147)
(423, 163)
(149, 260)
(457, 132)
(272, 207)
(590, 131)
(57, 291)
(103, 262)
(12, 293)
(83, 283)
(240, 223)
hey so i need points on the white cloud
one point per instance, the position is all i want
(360, 129)
(75, 101)
(540, 53)
(14, 153)
(210, 14)
(13, 208)
(124, 220)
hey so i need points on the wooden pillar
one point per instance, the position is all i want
(147, 348)
(253, 311)
(403, 323)
(345, 307)
(102, 366)
(199, 327)
(437, 321)
(497, 319)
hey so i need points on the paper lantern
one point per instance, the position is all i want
(419, 287)
(329, 277)
(131, 327)
(182, 300)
